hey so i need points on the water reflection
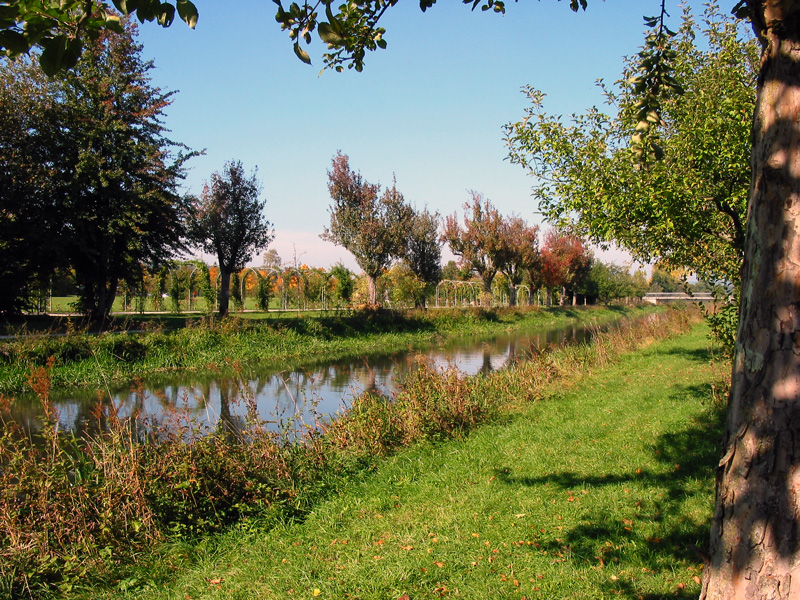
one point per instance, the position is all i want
(285, 399)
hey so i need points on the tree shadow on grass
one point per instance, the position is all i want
(702, 355)
(664, 498)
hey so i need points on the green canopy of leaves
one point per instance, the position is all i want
(685, 210)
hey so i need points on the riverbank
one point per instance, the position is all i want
(77, 358)
(603, 488)
(110, 498)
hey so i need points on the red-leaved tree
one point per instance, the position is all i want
(565, 260)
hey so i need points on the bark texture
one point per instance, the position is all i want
(754, 551)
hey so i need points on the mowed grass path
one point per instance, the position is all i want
(601, 490)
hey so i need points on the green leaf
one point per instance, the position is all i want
(112, 23)
(9, 13)
(302, 54)
(122, 6)
(60, 53)
(328, 35)
(167, 15)
(14, 42)
(188, 12)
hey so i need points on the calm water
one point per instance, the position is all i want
(297, 395)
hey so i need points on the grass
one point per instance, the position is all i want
(602, 488)
(120, 356)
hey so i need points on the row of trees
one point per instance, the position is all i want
(380, 228)
(196, 286)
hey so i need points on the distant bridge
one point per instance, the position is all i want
(666, 297)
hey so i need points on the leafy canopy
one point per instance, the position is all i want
(61, 28)
(685, 210)
(370, 225)
(90, 180)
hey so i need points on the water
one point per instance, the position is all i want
(290, 397)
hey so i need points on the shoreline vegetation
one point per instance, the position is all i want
(128, 510)
(132, 349)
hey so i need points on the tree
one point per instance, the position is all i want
(477, 244)
(517, 253)
(91, 179)
(271, 259)
(687, 210)
(344, 285)
(663, 280)
(27, 189)
(370, 227)
(565, 261)
(755, 538)
(228, 221)
(423, 252)
(120, 182)
(607, 282)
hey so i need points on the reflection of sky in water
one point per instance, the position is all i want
(303, 394)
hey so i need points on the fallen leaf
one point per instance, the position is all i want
(407, 547)
(439, 564)
(316, 592)
(697, 580)
(216, 581)
(378, 557)
(681, 585)
(404, 597)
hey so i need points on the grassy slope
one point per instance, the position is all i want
(599, 491)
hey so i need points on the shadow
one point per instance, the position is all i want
(664, 494)
(702, 355)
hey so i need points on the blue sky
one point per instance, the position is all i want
(428, 110)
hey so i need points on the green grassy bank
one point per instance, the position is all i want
(601, 488)
(146, 346)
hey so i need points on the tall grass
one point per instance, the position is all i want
(72, 508)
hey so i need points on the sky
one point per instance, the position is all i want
(427, 111)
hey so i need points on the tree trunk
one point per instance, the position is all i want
(372, 290)
(486, 297)
(224, 290)
(563, 296)
(755, 538)
(549, 298)
(512, 295)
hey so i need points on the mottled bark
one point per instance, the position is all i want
(755, 542)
